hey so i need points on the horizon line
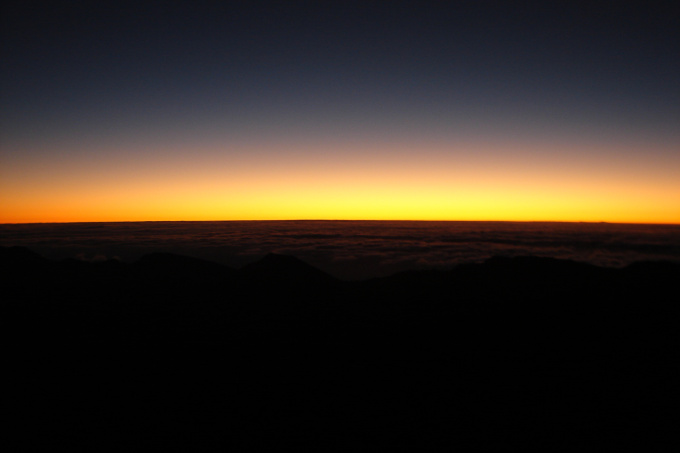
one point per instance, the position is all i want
(346, 220)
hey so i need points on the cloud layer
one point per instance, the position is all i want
(353, 249)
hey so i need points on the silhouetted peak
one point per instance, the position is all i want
(533, 263)
(170, 262)
(654, 266)
(275, 259)
(19, 255)
(284, 266)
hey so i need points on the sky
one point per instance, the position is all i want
(135, 111)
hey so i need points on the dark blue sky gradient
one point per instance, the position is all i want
(123, 74)
(350, 62)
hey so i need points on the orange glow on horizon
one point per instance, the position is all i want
(368, 183)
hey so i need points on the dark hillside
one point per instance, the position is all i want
(513, 353)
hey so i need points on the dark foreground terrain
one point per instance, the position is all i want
(509, 355)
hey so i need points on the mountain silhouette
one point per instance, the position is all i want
(285, 267)
(18, 256)
(505, 354)
(164, 265)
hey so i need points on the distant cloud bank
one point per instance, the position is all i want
(353, 249)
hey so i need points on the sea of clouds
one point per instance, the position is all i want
(352, 249)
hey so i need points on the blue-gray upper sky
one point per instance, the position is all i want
(114, 65)
(79, 76)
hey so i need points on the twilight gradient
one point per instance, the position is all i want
(117, 111)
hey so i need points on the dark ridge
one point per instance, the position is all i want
(651, 267)
(170, 263)
(285, 267)
(19, 256)
(503, 355)
(534, 263)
